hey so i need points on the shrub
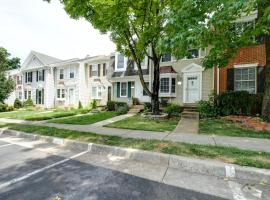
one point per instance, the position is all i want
(173, 110)
(164, 102)
(94, 104)
(3, 107)
(135, 101)
(17, 103)
(208, 109)
(120, 104)
(147, 106)
(111, 106)
(239, 103)
(28, 103)
(80, 105)
(122, 110)
(10, 108)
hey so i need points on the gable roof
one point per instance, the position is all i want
(42, 60)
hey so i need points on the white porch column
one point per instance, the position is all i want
(49, 89)
(82, 84)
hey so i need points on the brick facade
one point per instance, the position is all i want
(246, 55)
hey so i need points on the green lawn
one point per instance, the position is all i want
(86, 119)
(223, 127)
(225, 154)
(38, 115)
(140, 123)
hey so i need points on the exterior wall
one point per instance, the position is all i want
(247, 55)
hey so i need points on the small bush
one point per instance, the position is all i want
(94, 104)
(164, 102)
(111, 106)
(122, 110)
(5, 108)
(208, 109)
(28, 103)
(80, 105)
(17, 103)
(135, 101)
(10, 108)
(147, 106)
(120, 104)
(173, 110)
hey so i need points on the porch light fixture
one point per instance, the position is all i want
(179, 83)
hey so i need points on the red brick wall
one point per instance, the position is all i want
(246, 55)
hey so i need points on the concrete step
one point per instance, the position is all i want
(190, 115)
(134, 111)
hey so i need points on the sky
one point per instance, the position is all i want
(27, 25)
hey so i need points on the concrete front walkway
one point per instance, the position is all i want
(238, 142)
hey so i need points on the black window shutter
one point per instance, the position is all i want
(230, 79)
(43, 75)
(26, 77)
(31, 76)
(104, 69)
(260, 79)
(37, 96)
(118, 89)
(42, 96)
(37, 77)
(98, 69)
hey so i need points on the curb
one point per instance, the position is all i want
(205, 167)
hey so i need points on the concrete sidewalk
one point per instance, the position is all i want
(238, 142)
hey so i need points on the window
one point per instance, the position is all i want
(123, 90)
(95, 70)
(71, 72)
(120, 61)
(19, 80)
(60, 93)
(165, 85)
(29, 95)
(245, 79)
(96, 92)
(173, 86)
(144, 92)
(40, 74)
(61, 74)
(25, 94)
(166, 58)
(193, 53)
(28, 77)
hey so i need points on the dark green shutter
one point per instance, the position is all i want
(43, 75)
(37, 76)
(118, 89)
(129, 89)
(260, 79)
(36, 96)
(42, 96)
(230, 79)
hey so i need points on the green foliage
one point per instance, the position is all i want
(238, 103)
(111, 105)
(94, 104)
(5, 108)
(135, 101)
(208, 108)
(147, 106)
(164, 102)
(28, 103)
(80, 105)
(18, 104)
(173, 110)
(122, 110)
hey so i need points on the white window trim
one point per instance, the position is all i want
(99, 89)
(121, 89)
(60, 74)
(116, 62)
(94, 76)
(61, 92)
(170, 76)
(40, 72)
(72, 68)
(247, 66)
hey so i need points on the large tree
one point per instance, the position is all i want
(136, 27)
(213, 23)
(6, 84)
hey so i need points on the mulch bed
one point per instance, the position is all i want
(255, 123)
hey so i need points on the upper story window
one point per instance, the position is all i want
(40, 75)
(71, 72)
(166, 58)
(28, 77)
(19, 80)
(95, 70)
(193, 53)
(120, 61)
(61, 74)
(245, 79)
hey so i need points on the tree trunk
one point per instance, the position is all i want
(266, 96)
(262, 5)
(155, 93)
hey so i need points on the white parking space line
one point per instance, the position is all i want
(236, 191)
(5, 145)
(26, 176)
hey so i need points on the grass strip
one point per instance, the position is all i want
(86, 119)
(225, 154)
(140, 123)
(223, 127)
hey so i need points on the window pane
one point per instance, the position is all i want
(245, 79)
(63, 93)
(166, 58)
(164, 85)
(95, 70)
(123, 89)
(173, 85)
(120, 61)
(193, 53)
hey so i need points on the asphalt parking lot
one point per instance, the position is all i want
(46, 171)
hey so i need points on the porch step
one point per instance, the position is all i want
(136, 109)
(190, 115)
(190, 107)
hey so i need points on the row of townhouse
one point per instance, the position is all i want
(52, 82)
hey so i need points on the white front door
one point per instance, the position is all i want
(71, 96)
(192, 88)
